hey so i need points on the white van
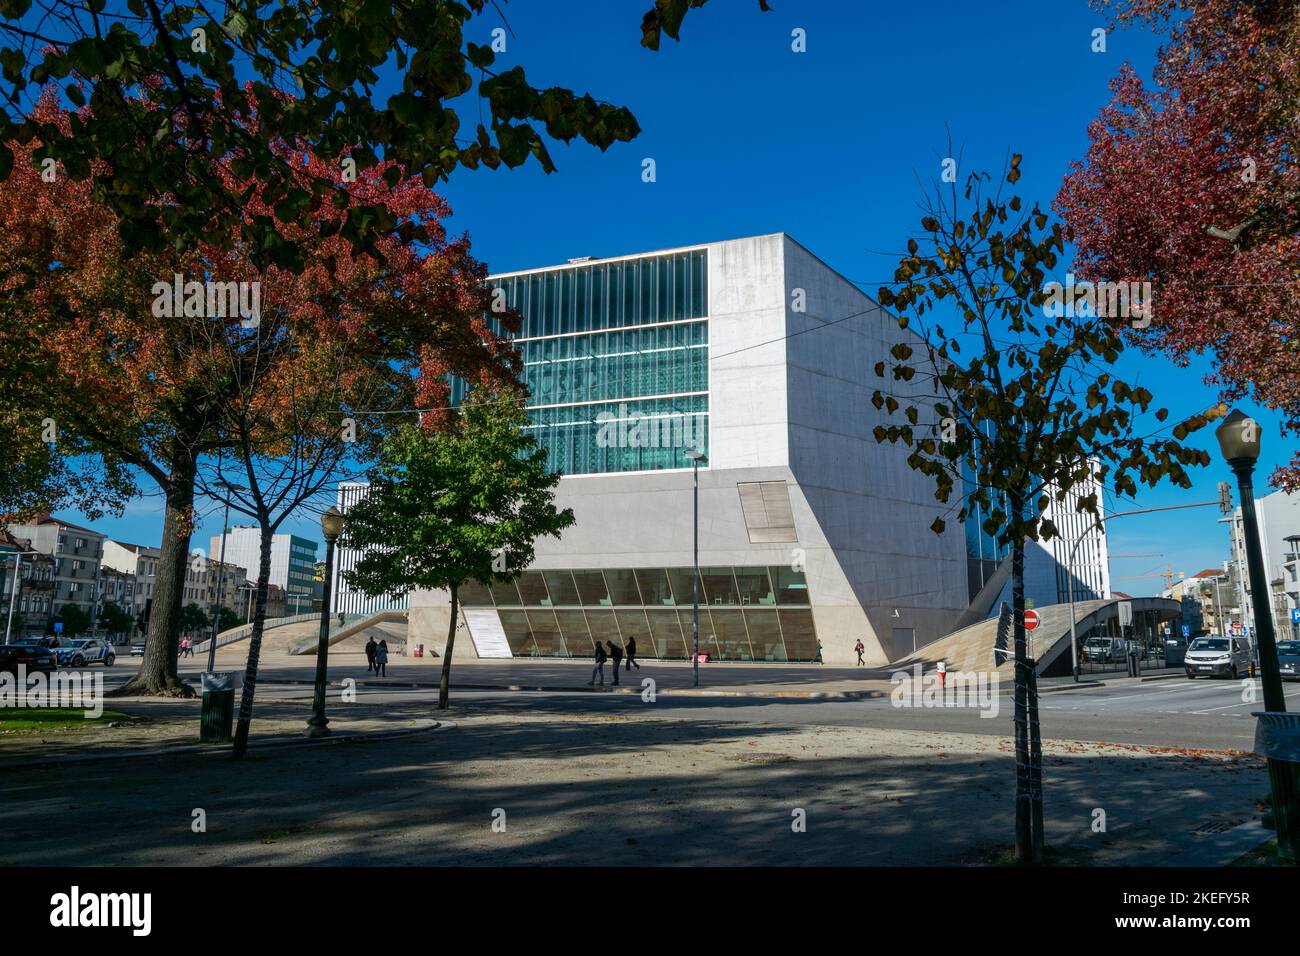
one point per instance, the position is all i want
(1214, 656)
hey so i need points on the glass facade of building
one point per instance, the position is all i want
(746, 613)
(616, 359)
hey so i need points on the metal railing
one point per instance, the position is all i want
(245, 630)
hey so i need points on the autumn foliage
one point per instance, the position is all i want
(1192, 182)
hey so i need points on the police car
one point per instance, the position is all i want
(87, 651)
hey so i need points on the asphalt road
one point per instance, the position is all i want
(1199, 714)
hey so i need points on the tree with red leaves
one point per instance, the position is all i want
(148, 378)
(1192, 183)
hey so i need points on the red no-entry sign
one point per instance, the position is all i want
(1031, 620)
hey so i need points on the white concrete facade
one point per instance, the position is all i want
(792, 347)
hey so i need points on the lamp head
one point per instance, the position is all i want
(331, 523)
(1238, 437)
(697, 456)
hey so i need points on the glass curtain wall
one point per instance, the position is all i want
(616, 361)
(746, 613)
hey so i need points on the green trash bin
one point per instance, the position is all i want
(217, 715)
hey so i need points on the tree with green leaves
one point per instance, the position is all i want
(227, 619)
(114, 620)
(1022, 404)
(445, 508)
(194, 619)
(75, 620)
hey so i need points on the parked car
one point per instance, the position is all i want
(32, 656)
(1105, 650)
(85, 651)
(1288, 659)
(1218, 656)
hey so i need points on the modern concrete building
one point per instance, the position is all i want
(1278, 515)
(293, 562)
(345, 597)
(759, 355)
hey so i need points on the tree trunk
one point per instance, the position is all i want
(1024, 806)
(1035, 764)
(254, 648)
(444, 682)
(157, 674)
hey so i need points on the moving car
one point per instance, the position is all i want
(1288, 659)
(85, 651)
(1221, 656)
(32, 656)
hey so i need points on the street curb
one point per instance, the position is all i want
(610, 689)
(273, 743)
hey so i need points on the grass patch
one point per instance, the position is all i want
(275, 836)
(1263, 855)
(32, 720)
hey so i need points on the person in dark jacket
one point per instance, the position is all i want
(381, 659)
(371, 647)
(631, 653)
(616, 653)
(600, 666)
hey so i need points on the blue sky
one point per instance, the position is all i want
(749, 137)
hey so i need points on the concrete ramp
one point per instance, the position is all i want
(387, 626)
(971, 648)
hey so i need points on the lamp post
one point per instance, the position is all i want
(697, 458)
(1239, 441)
(331, 524)
(221, 576)
(13, 589)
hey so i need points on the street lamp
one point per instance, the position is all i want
(697, 458)
(1239, 441)
(331, 525)
(13, 589)
(221, 576)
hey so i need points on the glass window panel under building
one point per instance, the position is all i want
(765, 635)
(591, 588)
(560, 585)
(666, 634)
(546, 633)
(798, 634)
(532, 589)
(730, 634)
(622, 586)
(603, 627)
(519, 634)
(686, 617)
(654, 586)
(791, 586)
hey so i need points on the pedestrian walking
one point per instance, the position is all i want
(942, 668)
(371, 646)
(859, 648)
(185, 646)
(381, 659)
(631, 653)
(818, 658)
(616, 653)
(600, 666)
